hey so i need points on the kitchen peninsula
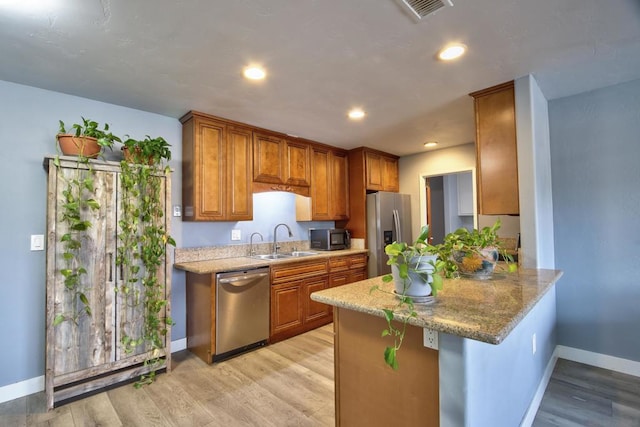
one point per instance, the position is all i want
(494, 340)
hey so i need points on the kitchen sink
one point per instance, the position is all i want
(271, 256)
(284, 255)
(301, 253)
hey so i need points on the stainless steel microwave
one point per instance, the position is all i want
(330, 239)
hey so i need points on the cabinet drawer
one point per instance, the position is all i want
(287, 273)
(339, 264)
(358, 261)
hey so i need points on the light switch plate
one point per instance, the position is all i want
(177, 210)
(236, 235)
(37, 242)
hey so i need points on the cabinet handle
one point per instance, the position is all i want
(110, 267)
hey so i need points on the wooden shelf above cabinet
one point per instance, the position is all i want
(496, 150)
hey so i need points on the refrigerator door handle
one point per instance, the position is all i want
(396, 222)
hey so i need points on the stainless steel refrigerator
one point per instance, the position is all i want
(388, 221)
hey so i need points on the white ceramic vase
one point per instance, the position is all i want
(418, 284)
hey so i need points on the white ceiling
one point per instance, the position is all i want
(322, 58)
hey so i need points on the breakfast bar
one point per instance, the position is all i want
(491, 343)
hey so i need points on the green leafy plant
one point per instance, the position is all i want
(78, 194)
(147, 151)
(470, 243)
(143, 239)
(410, 262)
(91, 129)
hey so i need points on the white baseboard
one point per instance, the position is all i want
(530, 415)
(21, 389)
(36, 385)
(178, 345)
(598, 360)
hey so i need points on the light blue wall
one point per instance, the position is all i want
(493, 385)
(595, 159)
(28, 125)
(269, 209)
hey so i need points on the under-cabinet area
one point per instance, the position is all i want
(291, 309)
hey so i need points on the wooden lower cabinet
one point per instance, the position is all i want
(347, 269)
(286, 308)
(292, 310)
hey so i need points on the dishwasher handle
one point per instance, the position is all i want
(235, 280)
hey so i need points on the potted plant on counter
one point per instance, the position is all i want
(415, 272)
(473, 253)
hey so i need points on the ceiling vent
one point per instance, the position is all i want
(422, 8)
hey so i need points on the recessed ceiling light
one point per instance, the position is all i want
(430, 144)
(452, 51)
(356, 114)
(254, 73)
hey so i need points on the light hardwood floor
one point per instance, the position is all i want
(582, 395)
(290, 383)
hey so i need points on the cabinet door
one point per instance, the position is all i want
(88, 342)
(357, 275)
(339, 186)
(267, 158)
(286, 307)
(339, 279)
(239, 206)
(390, 180)
(373, 168)
(496, 150)
(320, 186)
(209, 185)
(314, 310)
(297, 164)
(131, 313)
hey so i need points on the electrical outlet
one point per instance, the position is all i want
(176, 210)
(37, 242)
(430, 338)
(533, 344)
(236, 235)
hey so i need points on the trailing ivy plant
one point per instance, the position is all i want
(407, 258)
(78, 199)
(141, 253)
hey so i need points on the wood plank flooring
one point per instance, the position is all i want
(290, 383)
(583, 395)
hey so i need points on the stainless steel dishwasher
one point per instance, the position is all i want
(242, 311)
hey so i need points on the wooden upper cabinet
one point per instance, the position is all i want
(216, 177)
(329, 185)
(381, 172)
(496, 150)
(280, 161)
(297, 170)
(268, 153)
(239, 196)
(339, 185)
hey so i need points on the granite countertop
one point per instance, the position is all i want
(219, 265)
(480, 310)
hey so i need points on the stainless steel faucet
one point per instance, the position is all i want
(275, 241)
(251, 251)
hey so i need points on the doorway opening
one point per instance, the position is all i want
(448, 202)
